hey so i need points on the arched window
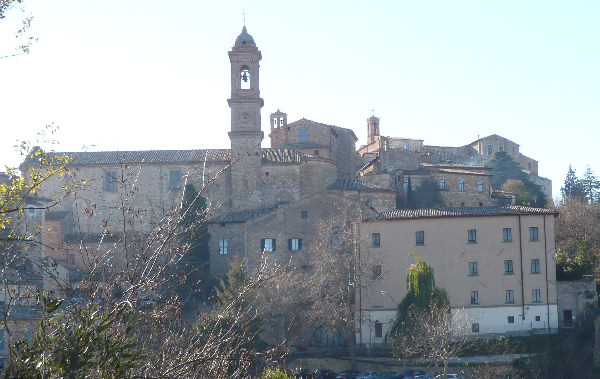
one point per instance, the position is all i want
(245, 78)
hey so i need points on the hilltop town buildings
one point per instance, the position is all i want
(271, 199)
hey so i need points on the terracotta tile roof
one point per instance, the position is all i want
(354, 184)
(241, 216)
(402, 214)
(278, 155)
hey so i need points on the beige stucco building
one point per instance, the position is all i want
(497, 264)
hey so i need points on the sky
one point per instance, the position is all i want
(146, 74)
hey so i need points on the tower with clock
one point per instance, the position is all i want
(246, 135)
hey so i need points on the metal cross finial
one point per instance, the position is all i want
(244, 14)
(372, 112)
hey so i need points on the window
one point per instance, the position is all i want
(535, 266)
(479, 186)
(376, 238)
(378, 329)
(507, 234)
(511, 319)
(567, 318)
(472, 236)
(294, 244)
(304, 215)
(223, 246)
(316, 153)
(536, 296)
(475, 327)
(461, 185)
(473, 268)
(508, 267)
(174, 179)
(406, 146)
(245, 78)
(303, 135)
(533, 234)
(376, 271)
(420, 238)
(1, 339)
(510, 297)
(474, 297)
(267, 244)
(490, 149)
(442, 183)
(406, 184)
(500, 147)
(537, 318)
(110, 181)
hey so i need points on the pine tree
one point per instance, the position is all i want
(590, 185)
(572, 187)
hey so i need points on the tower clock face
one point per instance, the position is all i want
(245, 117)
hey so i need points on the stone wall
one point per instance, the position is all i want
(573, 298)
(234, 234)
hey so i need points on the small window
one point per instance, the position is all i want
(535, 266)
(507, 234)
(316, 153)
(568, 318)
(461, 185)
(510, 297)
(475, 327)
(378, 329)
(508, 267)
(537, 318)
(474, 297)
(304, 215)
(536, 296)
(406, 146)
(420, 238)
(266, 173)
(442, 183)
(72, 259)
(1, 339)
(303, 134)
(376, 272)
(511, 319)
(500, 147)
(223, 246)
(245, 77)
(490, 149)
(174, 179)
(110, 181)
(473, 268)
(376, 239)
(267, 244)
(472, 236)
(479, 186)
(533, 234)
(406, 184)
(294, 244)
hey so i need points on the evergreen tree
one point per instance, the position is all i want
(590, 185)
(572, 187)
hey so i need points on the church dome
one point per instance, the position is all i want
(244, 39)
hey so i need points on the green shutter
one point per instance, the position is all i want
(273, 244)
(262, 244)
(289, 244)
(299, 243)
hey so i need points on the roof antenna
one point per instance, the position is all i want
(244, 14)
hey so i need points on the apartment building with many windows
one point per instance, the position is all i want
(497, 264)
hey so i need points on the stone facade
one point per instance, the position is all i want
(573, 299)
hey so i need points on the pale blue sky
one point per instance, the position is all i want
(155, 75)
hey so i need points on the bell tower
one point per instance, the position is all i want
(372, 129)
(246, 135)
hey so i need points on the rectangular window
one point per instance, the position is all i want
(406, 146)
(507, 234)
(316, 153)
(294, 244)
(174, 179)
(110, 181)
(510, 297)
(472, 236)
(376, 272)
(475, 327)
(420, 238)
(223, 246)
(474, 297)
(479, 186)
(267, 244)
(72, 260)
(500, 147)
(568, 318)
(442, 183)
(536, 296)
(461, 185)
(303, 134)
(378, 329)
(537, 318)
(406, 184)
(376, 239)
(304, 214)
(1, 339)
(490, 149)
(508, 267)
(511, 319)
(533, 234)
(473, 268)
(535, 266)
